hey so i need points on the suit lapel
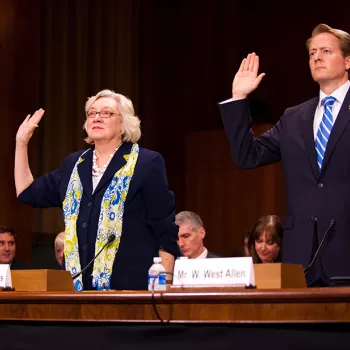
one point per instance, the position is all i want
(116, 163)
(339, 126)
(85, 173)
(307, 128)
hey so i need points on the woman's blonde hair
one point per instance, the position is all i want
(59, 239)
(131, 123)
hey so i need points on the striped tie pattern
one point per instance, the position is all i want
(324, 129)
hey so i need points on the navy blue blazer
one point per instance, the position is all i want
(148, 222)
(313, 198)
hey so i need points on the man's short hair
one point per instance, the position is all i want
(7, 229)
(342, 36)
(190, 218)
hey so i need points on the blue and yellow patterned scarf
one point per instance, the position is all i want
(110, 222)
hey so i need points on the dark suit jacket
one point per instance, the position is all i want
(211, 255)
(19, 265)
(148, 223)
(313, 198)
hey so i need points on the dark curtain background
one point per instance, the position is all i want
(175, 60)
(86, 46)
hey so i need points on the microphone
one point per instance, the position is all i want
(111, 238)
(331, 224)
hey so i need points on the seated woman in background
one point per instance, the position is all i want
(265, 240)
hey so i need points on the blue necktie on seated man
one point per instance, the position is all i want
(324, 130)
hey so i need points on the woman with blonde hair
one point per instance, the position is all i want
(115, 198)
(59, 248)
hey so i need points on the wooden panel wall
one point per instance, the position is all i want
(183, 59)
(19, 62)
(229, 200)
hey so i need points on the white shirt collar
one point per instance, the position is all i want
(203, 255)
(339, 94)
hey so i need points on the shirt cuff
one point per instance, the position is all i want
(226, 101)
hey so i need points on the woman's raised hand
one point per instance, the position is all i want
(26, 129)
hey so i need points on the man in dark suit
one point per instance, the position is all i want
(191, 235)
(313, 142)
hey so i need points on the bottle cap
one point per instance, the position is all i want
(157, 259)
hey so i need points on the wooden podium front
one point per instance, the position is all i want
(215, 318)
(42, 281)
(267, 276)
(278, 275)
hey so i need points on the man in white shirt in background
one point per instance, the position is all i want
(191, 235)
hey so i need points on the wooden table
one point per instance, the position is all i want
(292, 305)
(320, 315)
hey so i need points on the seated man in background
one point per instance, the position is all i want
(59, 248)
(191, 235)
(265, 240)
(8, 248)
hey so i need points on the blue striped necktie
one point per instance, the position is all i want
(324, 129)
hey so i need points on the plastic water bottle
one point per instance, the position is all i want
(157, 275)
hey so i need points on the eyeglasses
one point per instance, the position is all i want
(102, 114)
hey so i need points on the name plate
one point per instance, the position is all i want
(5, 276)
(218, 271)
